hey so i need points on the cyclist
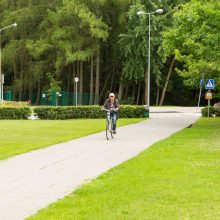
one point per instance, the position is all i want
(112, 104)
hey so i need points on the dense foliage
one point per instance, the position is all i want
(104, 43)
(194, 39)
(9, 113)
(62, 113)
(209, 112)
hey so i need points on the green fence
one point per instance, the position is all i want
(55, 98)
(8, 96)
(65, 99)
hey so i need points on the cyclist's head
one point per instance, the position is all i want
(111, 96)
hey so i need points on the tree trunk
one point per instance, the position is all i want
(139, 90)
(196, 97)
(78, 68)
(15, 78)
(30, 89)
(38, 92)
(30, 92)
(158, 96)
(105, 84)
(133, 93)
(81, 84)
(167, 81)
(91, 98)
(120, 92)
(69, 79)
(97, 75)
(126, 92)
(21, 78)
(112, 81)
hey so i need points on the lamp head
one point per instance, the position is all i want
(141, 13)
(159, 11)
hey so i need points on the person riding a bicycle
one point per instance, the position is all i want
(112, 104)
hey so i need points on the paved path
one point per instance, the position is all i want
(33, 180)
(175, 109)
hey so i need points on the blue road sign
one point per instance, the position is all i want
(201, 82)
(210, 84)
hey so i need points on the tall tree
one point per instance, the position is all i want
(193, 38)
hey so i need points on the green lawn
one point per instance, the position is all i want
(178, 178)
(17, 137)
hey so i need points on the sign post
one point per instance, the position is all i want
(210, 85)
(76, 81)
(44, 98)
(208, 96)
(200, 92)
(58, 95)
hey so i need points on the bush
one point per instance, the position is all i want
(15, 104)
(14, 113)
(212, 111)
(92, 112)
(132, 111)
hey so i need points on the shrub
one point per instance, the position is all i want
(14, 113)
(15, 104)
(132, 111)
(212, 111)
(92, 112)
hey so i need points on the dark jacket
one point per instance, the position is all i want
(107, 104)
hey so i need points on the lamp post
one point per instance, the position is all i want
(76, 81)
(1, 76)
(158, 11)
(58, 95)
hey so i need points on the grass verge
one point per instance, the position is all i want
(17, 137)
(177, 178)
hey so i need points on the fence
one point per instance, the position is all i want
(8, 96)
(56, 98)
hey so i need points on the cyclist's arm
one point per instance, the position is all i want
(104, 107)
(117, 106)
(106, 104)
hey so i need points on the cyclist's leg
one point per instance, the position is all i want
(114, 119)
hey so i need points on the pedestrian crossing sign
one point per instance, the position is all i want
(210, 84)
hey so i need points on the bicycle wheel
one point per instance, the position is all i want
(107, 130)
(111, 129)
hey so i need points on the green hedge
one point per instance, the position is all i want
(212, 111)
(15, 104)
(7, 113)
(54, 113)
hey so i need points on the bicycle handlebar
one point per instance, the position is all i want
(110, 110)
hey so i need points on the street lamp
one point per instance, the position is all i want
(76, 81)
(1, 76)
(158, 11)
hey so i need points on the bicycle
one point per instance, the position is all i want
(109, 124)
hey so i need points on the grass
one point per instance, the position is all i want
(21, 136)
(177, 178)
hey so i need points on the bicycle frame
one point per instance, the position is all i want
(109, 124)
(109, 119)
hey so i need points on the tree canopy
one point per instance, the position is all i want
(105, 43)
